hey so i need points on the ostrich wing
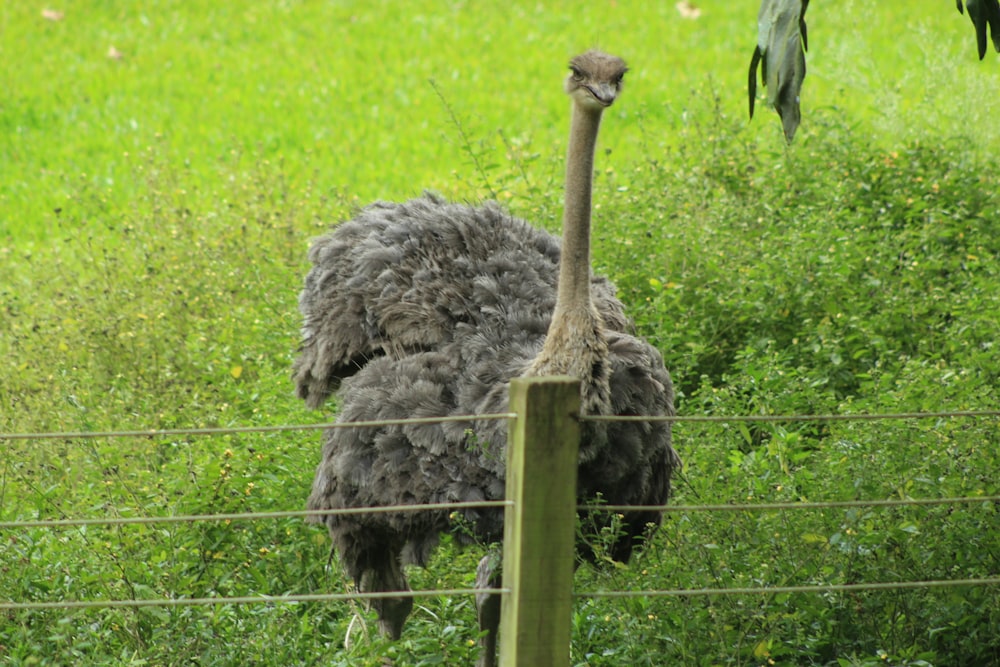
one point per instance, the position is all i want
(403, 277)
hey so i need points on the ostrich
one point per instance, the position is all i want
(427, 308)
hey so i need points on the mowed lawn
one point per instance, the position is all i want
(352, 93)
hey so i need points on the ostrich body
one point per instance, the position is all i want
(427, 308)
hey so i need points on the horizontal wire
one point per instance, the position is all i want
(255, 599)
(245, 516)
(158, 433)
(750, 507)
(242, 516)
(772, 590)
(322, 597)
(789, 418)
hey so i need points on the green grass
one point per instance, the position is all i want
(155, 211)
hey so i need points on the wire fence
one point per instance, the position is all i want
(234, 430)
(438, 592)
(250, 516)
(387, 509)
(322, 426)
(675, 509)
(255, 599)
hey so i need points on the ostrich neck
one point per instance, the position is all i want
(574, 267)
(575, 343)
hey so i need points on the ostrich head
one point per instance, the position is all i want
(595, 79)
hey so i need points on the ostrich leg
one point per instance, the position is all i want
(488, 608)
(385, 577)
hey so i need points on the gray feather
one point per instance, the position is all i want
(428, 308)
(395, 280)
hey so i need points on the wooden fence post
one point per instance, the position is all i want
(540, 526)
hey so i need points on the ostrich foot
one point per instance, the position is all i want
(392, 613)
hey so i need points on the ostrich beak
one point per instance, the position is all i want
(604, 93)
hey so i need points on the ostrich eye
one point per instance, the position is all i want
(577, 74)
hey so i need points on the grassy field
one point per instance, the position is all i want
(162, 169)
